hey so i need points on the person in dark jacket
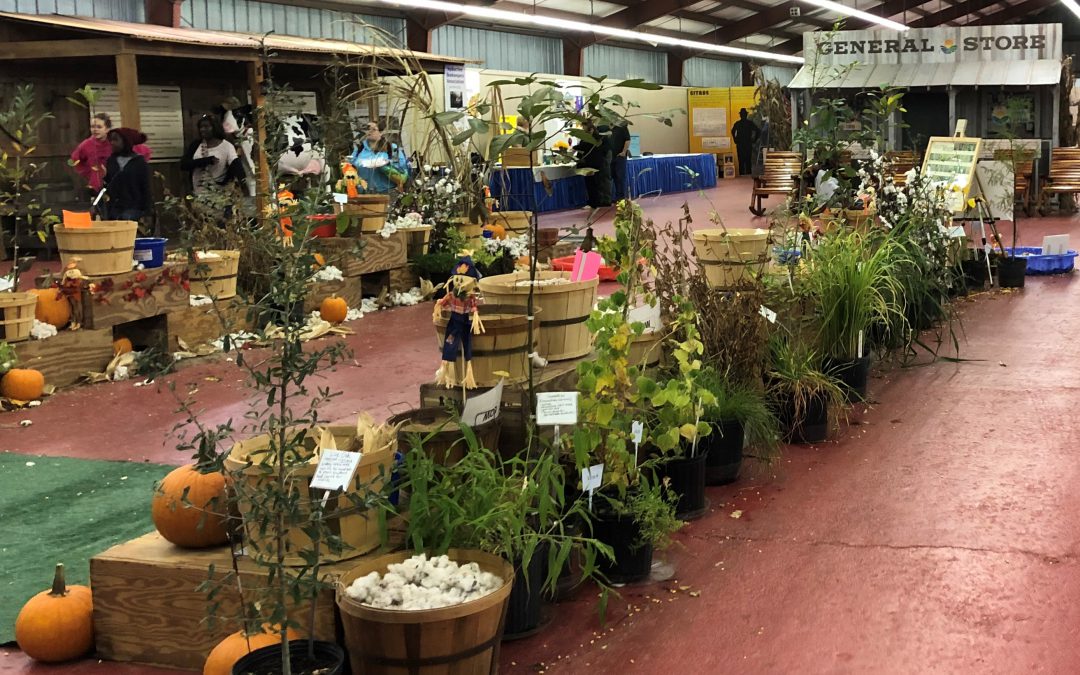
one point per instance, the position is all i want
(745, 133)
(596, 156)
(127, 177)
(619, 143)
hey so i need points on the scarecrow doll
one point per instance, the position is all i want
(350, 182)
(286, 205)
(463, 300)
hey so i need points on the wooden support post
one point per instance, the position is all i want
(127, 82)
(573, 58)
(262, 167)
(676, 60)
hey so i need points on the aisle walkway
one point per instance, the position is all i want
(938, 535)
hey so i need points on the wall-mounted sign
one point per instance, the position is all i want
(161, 113)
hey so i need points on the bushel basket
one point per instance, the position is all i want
(566, 308)
(731, 256)
(106, 247)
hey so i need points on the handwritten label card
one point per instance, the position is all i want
(592, 477)
(769, 315)
(557, 408)
(483, 407)
(335, 470)
(637, 429)
(340, 198)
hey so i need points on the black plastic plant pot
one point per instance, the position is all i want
(687, 481)
(1011, 271)
(329, 660)
(853, 376)
(723, 453)
(812, 428)
(524, 612)
(975, 274)
(633, 559)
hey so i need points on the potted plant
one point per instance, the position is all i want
(514, 508)
(803, 397)
(853, 282)
(739, 417)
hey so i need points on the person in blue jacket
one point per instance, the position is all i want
(379, 162)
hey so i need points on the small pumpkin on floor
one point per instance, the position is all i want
(52, 307)
(224, 656)
(334, 309)
(22, 384)
(57, 625)
(197, 520)
(122, 345)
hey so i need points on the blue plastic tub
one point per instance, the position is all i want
(150, 251)
(1037, 263)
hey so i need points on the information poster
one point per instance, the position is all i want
(713, 111)
(161, 113)
(952, 161)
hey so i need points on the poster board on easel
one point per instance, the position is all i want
(951, 160)
(712, 112)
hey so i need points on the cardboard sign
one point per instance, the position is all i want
(335, 470)
(76, 219)
(557, 408)
(1055, 244)
(483, 407)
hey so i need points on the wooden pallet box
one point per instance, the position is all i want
(377, 253)
(349, 288)
(403, 279)
(64, 358)
(148, 609)
(139, 294)
(200, 325)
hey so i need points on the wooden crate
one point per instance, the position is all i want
(147, 608)
(200, 325)
(378, 253)
(64, 358)
(557, 376)
(113, 301)
(348, 288)
(403, 279)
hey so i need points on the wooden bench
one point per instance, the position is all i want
(900, 162)
(1023, 166)
(780, 177)
(1064, 176)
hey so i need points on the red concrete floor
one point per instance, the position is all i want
(938, 534)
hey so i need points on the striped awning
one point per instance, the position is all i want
(912, 75)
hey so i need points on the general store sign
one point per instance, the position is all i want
(943, 44)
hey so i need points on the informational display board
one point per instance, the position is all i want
(951, 160)
(161, 113)
(713, 111)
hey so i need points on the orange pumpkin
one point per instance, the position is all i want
(497, 231)
(121, 345)
(197, 521)
(57, 625)
(52, 307)
(233, 648)
(334, 309)
(22, 384)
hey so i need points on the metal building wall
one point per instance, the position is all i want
(248, 16)
(700, 72)
(625, 64)
(498, 50)
(781, 74)
(119, 10)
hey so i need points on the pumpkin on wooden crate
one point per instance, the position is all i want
(189, 506)
(224, 656)
(22, 384)
(52, 307)
(58, 624)
(334, 309)
(122, 345)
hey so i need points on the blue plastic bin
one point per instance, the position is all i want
(1037, 263)
(150, 251)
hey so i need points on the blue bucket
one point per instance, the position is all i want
(150, 251)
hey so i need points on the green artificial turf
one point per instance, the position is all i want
(56, 509)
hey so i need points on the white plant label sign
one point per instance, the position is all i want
(592, 477)
(483, 407)
(557, 408)
(341, 198)
(769, 315)
(637, 430)
(335, 470)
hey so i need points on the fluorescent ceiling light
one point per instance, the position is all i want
(1073, 7)
(539, 20)
(865, 16)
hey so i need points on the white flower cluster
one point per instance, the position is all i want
(353, 314)
(422, 583)
(406, 298)
(514, 246)
(409, 221)
(41, 330)
(236, 340)
(553, 281)
(329, 273)
(199, 300)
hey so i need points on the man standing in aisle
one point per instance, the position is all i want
(745, 134)
(619, 142)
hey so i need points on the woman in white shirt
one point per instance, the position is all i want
(212, 160)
